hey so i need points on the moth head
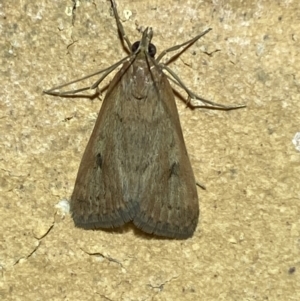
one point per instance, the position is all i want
(145, 43)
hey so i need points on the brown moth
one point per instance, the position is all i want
(135, 166)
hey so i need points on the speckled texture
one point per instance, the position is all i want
(247, 244)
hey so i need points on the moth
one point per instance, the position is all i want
(135, 167)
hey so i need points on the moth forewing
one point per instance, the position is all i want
(169, 207)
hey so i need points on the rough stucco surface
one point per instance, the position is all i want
(247, 244)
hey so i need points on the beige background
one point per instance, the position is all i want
(247, 244)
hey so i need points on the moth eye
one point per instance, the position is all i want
(135, 46)
(151, 48)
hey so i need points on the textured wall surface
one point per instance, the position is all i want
(247, 243)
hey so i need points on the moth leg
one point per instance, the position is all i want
(176, 47)
(192, 95)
